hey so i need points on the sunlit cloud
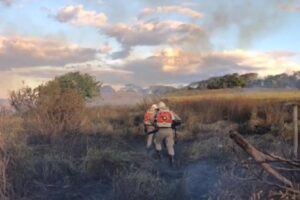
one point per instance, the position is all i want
(171, 10)
(24, 52)
(152, 33)
(140, 32)
(77, 15)
(175, 65)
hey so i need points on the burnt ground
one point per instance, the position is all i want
(197, 178)
(198, 175)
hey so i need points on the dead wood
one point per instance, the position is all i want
(260, 158)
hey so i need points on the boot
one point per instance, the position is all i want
(171, 160)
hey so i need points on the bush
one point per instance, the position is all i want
(52, 111)
(58, 111)
(57, 107)
(84, 84)
(23, 100)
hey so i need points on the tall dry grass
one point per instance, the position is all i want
(266, 110)
(254, 112)
(5, 185)
(114, 121)
(94, 144)
(13, 156)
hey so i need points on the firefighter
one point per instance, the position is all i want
(149, 124)
(165, 119)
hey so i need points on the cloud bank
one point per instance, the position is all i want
(27, 52)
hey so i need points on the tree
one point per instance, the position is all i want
(85, 84)
(58, 106)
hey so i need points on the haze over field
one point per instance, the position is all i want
(146, 42)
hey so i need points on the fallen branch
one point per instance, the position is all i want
(260, 158)
(294, 163)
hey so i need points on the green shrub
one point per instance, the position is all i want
(84, 84)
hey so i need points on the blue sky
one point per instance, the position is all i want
(146, 42)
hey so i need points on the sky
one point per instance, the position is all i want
(146, 42)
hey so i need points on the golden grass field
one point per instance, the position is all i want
(268, 95)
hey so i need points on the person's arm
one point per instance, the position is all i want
(176, 117)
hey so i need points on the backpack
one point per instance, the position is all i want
(148, 117)
(164, 119)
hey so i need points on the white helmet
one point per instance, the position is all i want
(154, 107)
(162, 105)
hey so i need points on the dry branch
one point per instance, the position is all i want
(260, 158)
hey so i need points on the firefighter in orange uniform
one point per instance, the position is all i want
(149, 124)
(164, 121)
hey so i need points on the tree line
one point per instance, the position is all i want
(249, 80)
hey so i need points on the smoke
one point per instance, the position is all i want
(252, 20)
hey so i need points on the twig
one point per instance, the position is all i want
(287, 169)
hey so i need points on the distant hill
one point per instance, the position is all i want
(159, 89)
(151, 90)
(129, 94)
(107, 90)
(249, 80)
(132, 88)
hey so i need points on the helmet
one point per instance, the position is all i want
(154, 107)
(162, 105)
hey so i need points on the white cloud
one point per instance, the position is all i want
(175, 65)
(171, 9)
(78, 16)
(154, 34)
(24, 52)
(139, 32)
